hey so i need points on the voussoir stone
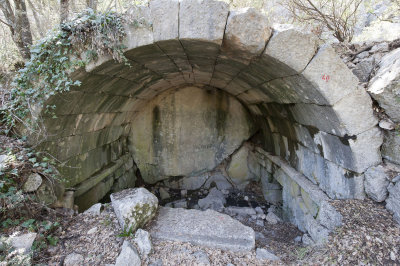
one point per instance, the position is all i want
(330, 75)
(134, 207)
(292, 48)
(352, 115)
(205, 228)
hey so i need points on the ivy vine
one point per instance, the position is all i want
(71, 46)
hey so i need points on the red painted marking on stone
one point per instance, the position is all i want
(326, 77)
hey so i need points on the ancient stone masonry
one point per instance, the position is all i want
(304, 204)
(377, 65)
(201, 81)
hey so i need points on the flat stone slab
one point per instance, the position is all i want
(205, 228)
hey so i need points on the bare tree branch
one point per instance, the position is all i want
(64, 10)
(338, 16)
(2, 21)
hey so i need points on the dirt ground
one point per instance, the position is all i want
(369, 236)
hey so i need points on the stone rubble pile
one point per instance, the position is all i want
(136, 207)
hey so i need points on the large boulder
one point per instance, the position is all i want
(385, 85)
(187, 132)
(134, 207)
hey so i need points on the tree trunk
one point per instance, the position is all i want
(36, 17)
(92, 4)
(64, 11)
(19, 25)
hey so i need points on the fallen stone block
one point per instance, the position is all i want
(142, 240)
(263, 254)
(94, 210)
(241, 211)
(23, 243)
(205, 228)
(134, 207)
(215, 200)
(73, 259)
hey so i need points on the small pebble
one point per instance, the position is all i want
(259, 223)
(259, 210)
(92, 231)
(392, 255)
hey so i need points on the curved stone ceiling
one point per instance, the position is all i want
(305, 98)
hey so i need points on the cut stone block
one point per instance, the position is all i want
(350, 116)
(202, 20)
(330, 75)
(246, 30)
(205, 228)
(134, 207)
(292, 48)
(164, 14)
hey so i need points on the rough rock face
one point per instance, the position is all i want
(391, 147)
(32, 183)
(187, 132)
(376, 182)
(384, 87)
(128, 255)
(134, 207)
(393, 201)
(238, 169)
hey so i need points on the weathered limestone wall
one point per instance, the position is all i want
(187, 132)
(304, 204)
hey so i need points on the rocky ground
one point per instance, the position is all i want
(369, 236)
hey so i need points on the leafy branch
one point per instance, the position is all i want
(68, 48)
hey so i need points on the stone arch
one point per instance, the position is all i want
(318, 127)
